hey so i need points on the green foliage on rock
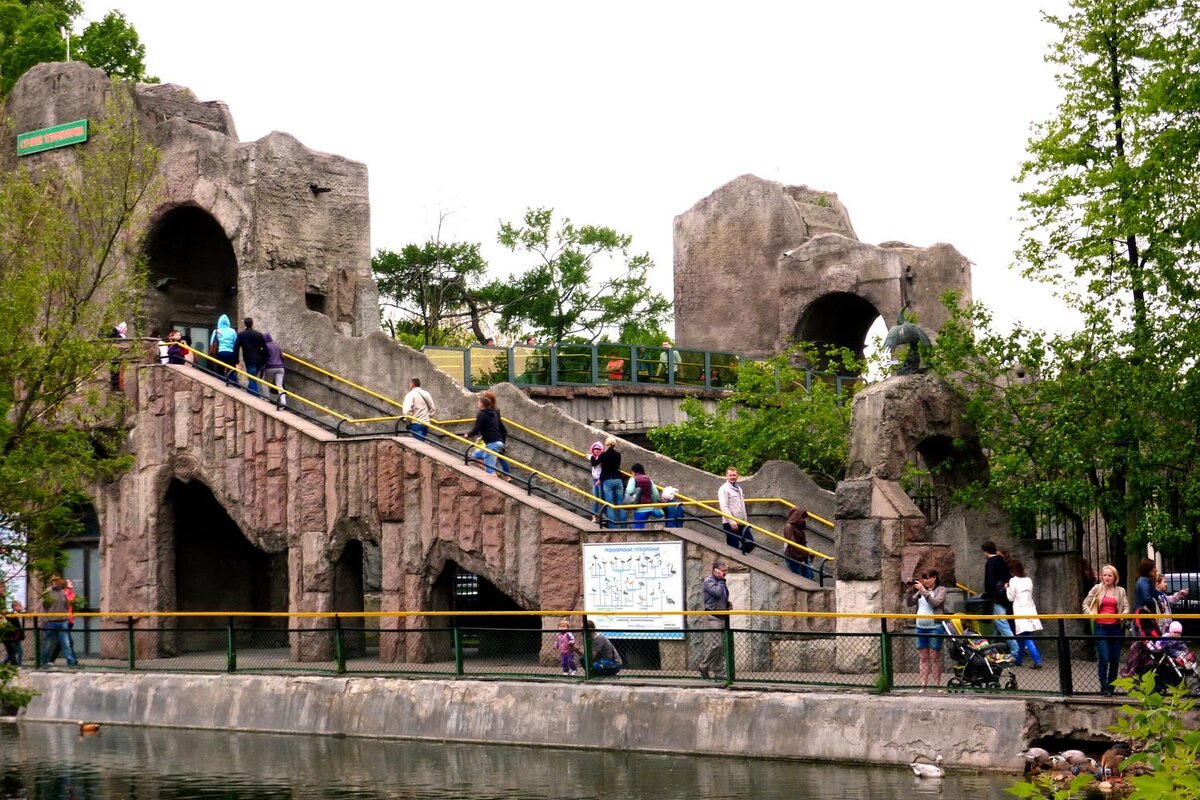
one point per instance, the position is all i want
(31, 34)
(113, 45)
(776, 413)
(1103, 419)
(70, 268)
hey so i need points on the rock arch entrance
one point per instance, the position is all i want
(837, 319)
(193, 273)
(484, 637)
(218, 569)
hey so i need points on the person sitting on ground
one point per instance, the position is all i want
(605, 658)
(641, 490)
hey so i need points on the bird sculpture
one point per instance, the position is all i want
(911, 334)
(926, 767)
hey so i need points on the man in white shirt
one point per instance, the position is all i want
(419, 407)
(733, 505)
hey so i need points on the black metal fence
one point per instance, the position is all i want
(877, 653)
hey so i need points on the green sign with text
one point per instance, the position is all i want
(50, 138)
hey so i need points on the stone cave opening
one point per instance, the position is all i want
(216, 568)
(192, 274)
(839, 320)
(486, 637)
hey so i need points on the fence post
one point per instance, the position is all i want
(456, 635)
(1066, 680)
(37, 642)
(587, 651)
(554, 365)
(339, 645)
(467, 369)
(730, 672)
(885, 656)
(230, 648)
(132, 651)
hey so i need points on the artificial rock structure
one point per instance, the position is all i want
(229, 506)
(760, 265)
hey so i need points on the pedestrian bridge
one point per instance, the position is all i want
(235, 505)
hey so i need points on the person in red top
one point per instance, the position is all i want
(1105, 601)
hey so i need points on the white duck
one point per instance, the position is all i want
(924, 767)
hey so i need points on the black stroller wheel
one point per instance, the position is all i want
(1011, 683)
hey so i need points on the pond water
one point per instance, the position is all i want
(41, 761)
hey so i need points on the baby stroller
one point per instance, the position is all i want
(978, 663)
(1168, 658)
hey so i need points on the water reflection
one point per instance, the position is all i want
(52, 762)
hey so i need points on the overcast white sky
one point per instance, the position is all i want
(627, 113)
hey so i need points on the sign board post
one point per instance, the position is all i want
(635, 576)
(49, 138)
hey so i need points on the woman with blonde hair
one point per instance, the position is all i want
(1105, 601)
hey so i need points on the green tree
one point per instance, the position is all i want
(779, 411)
(114, 46)
(31, 34)
(69, 268)
(431, 287)
(1103, 419)
(562, 297)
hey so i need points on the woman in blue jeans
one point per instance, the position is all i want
(612, 486)
(1105, 601)
(489, 427)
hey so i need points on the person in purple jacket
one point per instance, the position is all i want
(273, 370)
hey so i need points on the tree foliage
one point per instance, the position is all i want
(31, 34)
(566, 295)
(114, 46)
(70, 268)
(438, 292)
(1103, 419)
(779, 411)
(431, 287)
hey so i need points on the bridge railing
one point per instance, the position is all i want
(391, 421)
(745, 648)
(482, 366)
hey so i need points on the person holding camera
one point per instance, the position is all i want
(929, 596)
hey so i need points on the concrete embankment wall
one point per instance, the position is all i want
(968, 731)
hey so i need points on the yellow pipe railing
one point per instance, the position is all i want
(575, 612)
(508, 460)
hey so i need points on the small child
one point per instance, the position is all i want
(1177, 649)
(564, 642)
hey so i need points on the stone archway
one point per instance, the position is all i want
(193, 272)
(837, 319)
(216, 568)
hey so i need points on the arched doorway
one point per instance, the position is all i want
(218, 569)
(348, 594)
(192, 274)
(838, 320)
(509, 640)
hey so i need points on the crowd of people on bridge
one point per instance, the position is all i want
(255, 353)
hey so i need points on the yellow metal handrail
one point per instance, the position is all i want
(438, 426)
(125, 615)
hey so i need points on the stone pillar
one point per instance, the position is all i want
(875, 519)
